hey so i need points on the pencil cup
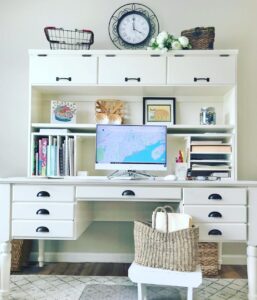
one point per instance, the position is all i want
(181, 171)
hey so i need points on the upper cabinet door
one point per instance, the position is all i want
(63, 69)
(201, 70)
(132, 70)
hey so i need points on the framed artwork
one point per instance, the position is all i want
(63, 112)
(159, 111)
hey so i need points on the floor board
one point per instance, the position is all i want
(111, 269)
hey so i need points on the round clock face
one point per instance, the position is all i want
(133, 28)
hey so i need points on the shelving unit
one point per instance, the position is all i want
(168, 81)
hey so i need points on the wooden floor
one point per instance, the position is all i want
(111, 269)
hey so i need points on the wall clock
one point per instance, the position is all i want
(132, 26)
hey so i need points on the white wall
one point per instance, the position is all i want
(21, 28)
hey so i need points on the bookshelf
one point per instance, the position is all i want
(191, 95)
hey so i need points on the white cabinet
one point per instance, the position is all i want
(221, 213)
(132, 70)
(63, 69)
(201, 69)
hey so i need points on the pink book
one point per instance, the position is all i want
(44, 155)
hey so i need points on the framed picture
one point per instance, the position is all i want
(159, 111)
(63, 112)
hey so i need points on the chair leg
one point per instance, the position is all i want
(141, 291)
(189, 293)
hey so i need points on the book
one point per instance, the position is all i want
(206, 142)
(211, 148)
(53, 131)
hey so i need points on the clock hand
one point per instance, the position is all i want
(133, 24)
(138, 31)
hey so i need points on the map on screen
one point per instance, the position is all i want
(131, 144)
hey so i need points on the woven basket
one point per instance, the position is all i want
(209, 258)
(20, 253)
(200, 37)
(177, 251)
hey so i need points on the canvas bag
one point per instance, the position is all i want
(165, 220)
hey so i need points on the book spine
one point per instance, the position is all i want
(40, 157)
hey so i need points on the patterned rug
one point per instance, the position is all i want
(50, 287)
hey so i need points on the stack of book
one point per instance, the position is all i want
(53, 156)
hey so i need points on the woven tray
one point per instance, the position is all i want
(209, 258)
(200, 37)
(20, 253)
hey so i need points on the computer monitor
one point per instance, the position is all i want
(131, 147)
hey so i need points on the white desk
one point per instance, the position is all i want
(61, 209)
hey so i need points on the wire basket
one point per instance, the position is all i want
(60, 38)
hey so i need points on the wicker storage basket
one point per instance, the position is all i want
(209, 259)
(177, 251)
(20, 253)
(200, 37)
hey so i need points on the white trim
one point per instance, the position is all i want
(76, 257)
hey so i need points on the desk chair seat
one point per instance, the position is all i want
(146, 275)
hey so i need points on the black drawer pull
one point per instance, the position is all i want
(43, 194)
(179, 55)
(42, 55)
(43, 211)
(42, 229)
(201, 79)
(110, 55)
(128, 193)
(155, 55)
(63, 78)
(224, 55)
(138, 79)
(215, 214)
(215, 197)
(86, 55)
(215, 232)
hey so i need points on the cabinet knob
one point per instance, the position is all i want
(42, 229)
(215, 232)
(215, 214)
(215, 197)
(138, 79)
(63, 78)
(43, 194)
(43, 211)
(128, 193)
(207, 79)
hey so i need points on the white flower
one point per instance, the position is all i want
(161, 46)
(162, 36)
(176, 45)
(152, 41)
(183, 41)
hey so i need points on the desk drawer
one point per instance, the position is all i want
(218, 196)
(42, 229)
(216, 213)
(222, 232)
(42, 211)
(43, 193)
(127, 192)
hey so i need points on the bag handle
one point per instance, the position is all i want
(168, 207)
(166, 215)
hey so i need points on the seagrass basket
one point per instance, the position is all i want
(209, 258)
(176, 251)
(20, 253)
(200, 37)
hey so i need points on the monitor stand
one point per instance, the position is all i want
(130, 175)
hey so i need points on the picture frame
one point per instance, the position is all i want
(159, 111)
(63, 112)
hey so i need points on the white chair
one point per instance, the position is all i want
(146, 275)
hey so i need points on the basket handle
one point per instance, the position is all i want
(166, 215)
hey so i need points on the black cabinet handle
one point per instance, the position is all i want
(86, 55)
(42, 55)
(63, 78)
(138, 79)
(42, 229)
(215, 232)
(43, 194)
(201, 79)
(43, 211)
(215, 214)
(215, 197)
(128, 193)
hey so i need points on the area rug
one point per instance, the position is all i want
(62, 287)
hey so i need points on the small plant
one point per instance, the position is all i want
(165, 41)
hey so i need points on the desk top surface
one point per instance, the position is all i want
(102, 180)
